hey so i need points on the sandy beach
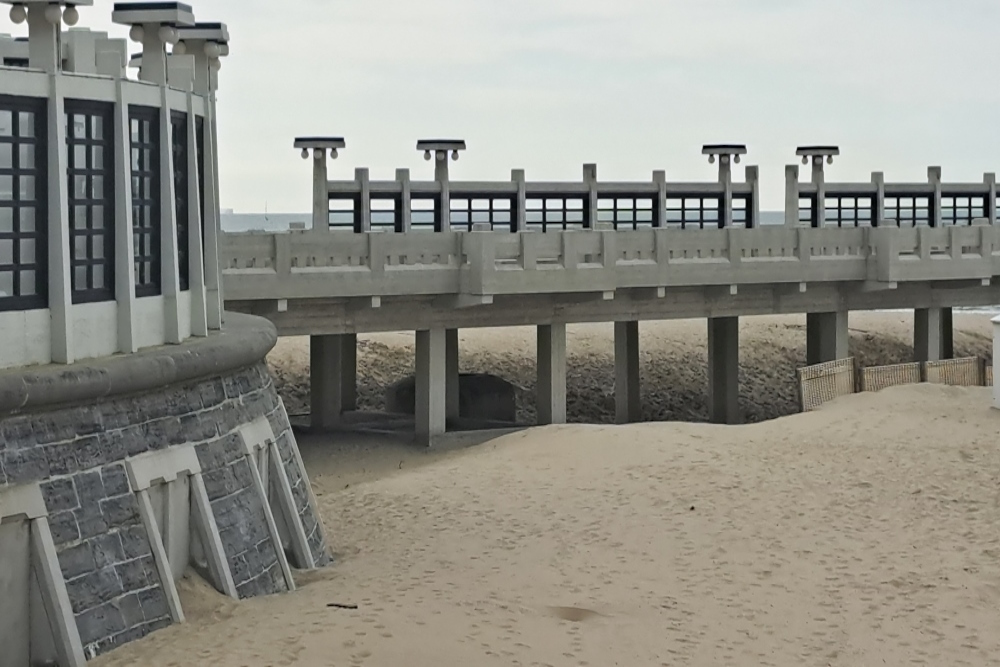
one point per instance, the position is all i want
(861, 534)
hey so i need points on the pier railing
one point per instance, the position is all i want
(520, 237)
(486, 263)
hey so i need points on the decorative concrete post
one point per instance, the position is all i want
(792, 195)
(990, 180)
(590, 217)
(438, 149)
(878, 200)
(727, 155)
(321, 192)
(934, 178)
(818, 155)
(45, 19)
(519, 215)
(154, 25)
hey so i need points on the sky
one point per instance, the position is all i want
(632, 85)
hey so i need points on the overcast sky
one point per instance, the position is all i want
(633, 85)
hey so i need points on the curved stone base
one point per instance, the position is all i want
(481, 396)
(105, 443)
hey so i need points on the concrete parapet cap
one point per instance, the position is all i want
(822, 151)
(724, 149)
(441, 145)
(244, 341)
(209, 32)
(320, 142)
(176, 14)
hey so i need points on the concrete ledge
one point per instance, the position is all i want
(245, 340)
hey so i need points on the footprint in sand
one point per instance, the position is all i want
(573, 614)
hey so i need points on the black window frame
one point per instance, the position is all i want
(17, 106)
(624, 210)
(472, 209)
(542, 211)
(697, 218)
(850, 210)
(147, 231)
(954, 203)
(182, 201)
(199, 138)
(904, 210)
(86, 230)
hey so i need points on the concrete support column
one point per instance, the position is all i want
(430, 416)
(724, 370)
(452, 374)
(627, 402)
(550, 401)
(927, 338)
(947, 334)
(827, 337)
(333, 378)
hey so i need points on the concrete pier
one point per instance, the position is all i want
(430, 415)
(452, 374)
(551, 386)
(333, 369)
(628, 405)
(724, 370)
(827, 337)
(933, 338)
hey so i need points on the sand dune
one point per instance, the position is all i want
(862, 534)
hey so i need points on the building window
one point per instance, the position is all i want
(91, 200)
(23, 210)
(144, 125)
(178, 125)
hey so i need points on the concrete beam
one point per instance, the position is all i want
(724, 370)
(430, 415)
(333, 369)
(628, 405)
(550, 401)
(827, 337)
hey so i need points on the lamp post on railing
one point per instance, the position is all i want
(154, 25)
(819, 156)
(320, 146)
(726, 154)
(45, 18)
(439, 150)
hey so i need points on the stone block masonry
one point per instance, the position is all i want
(76, 453)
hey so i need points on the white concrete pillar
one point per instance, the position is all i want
(927, 334)
(124, 239)
(169, 262)
(60, 291)
(724, 370)
(827, 337)
(628, 406)
(550, 400)
(430, 414)
(452, 373)
(333, 378)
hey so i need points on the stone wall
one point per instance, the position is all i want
(77, 453)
